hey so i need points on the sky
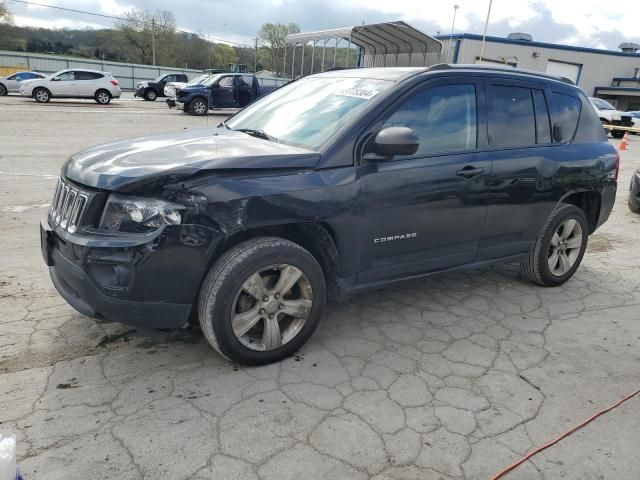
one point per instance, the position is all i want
(589, 23)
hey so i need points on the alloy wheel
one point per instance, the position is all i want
(199, 107)
(42, 96)
(565, 246)
(271, 307)
(103, 97)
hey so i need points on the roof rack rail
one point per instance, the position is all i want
(496, 68)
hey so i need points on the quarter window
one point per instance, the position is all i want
(511, 117)
(443, 117)
(567, 113)
(543, 126)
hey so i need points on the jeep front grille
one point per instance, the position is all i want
(68, 205)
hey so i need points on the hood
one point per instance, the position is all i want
(129, 164)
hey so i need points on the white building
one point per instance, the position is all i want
(613, 75)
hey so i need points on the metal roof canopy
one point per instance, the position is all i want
(391, 38)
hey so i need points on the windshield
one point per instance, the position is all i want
(199, 79)
(308, 112)
(602, 104)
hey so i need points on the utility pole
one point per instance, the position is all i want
(484, 35)
(153, 40)
(255, 60)
(453, 24)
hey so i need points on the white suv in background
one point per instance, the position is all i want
(74, 83)
(610, 116)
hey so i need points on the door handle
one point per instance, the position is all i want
(469, 171)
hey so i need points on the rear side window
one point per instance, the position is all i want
(511, 117)
(567, 114)
(543, 125)
(443, 117)
(87, 75)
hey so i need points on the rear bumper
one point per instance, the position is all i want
(151, 285)
(607, 199)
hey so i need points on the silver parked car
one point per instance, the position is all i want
(11, 83)
(74, 83)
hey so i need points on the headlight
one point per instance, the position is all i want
(138, 215)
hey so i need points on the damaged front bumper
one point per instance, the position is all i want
(144, 281)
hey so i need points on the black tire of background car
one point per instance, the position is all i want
(150, 95)
(3, 90)
(224, 281)
(536, 266)
(617, 133)
(634, 208)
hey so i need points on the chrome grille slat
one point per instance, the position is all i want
(68, 206)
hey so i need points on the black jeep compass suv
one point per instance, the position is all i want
(333, 184)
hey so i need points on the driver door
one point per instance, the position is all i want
(222, 95)
(64, 85)
(426, 212)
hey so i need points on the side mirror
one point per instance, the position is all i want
(392, 141)
(557, 132)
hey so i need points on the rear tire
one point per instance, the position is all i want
(102, 97)
(42, 95)
(150, 95)
(634, 208)
(239, 306)
(199, 107)
(3, 90)
(617, 133)
(569, 247)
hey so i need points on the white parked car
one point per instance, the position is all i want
(635, 118)
(610, 116)
(11, 83)
(73, 83)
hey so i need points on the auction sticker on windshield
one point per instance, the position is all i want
(363, 93)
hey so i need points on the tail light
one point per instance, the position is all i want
(114, 82)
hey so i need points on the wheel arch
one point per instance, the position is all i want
(316, 238)
(589, 202)
(40, 87)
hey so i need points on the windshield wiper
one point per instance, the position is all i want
(257, 133)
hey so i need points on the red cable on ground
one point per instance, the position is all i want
(537, 450)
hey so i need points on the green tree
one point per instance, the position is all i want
(141, 30)
(272, 37)
(222, 55)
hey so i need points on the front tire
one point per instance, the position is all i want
(102, 97)
(42, 95)
(199, 107)
(3, 90)
(262, 300)
(150, 95)
(560, 246)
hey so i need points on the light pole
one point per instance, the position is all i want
(453, 24)
(153, 40)
(484, 35)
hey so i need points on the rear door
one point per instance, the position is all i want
(88, 83)
(524, 161)
(426, 211)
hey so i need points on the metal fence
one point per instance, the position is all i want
(128, 74)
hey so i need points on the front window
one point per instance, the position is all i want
(66, 76)
(309, 112)
(602, 104)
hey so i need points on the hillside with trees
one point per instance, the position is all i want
(131, 40)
